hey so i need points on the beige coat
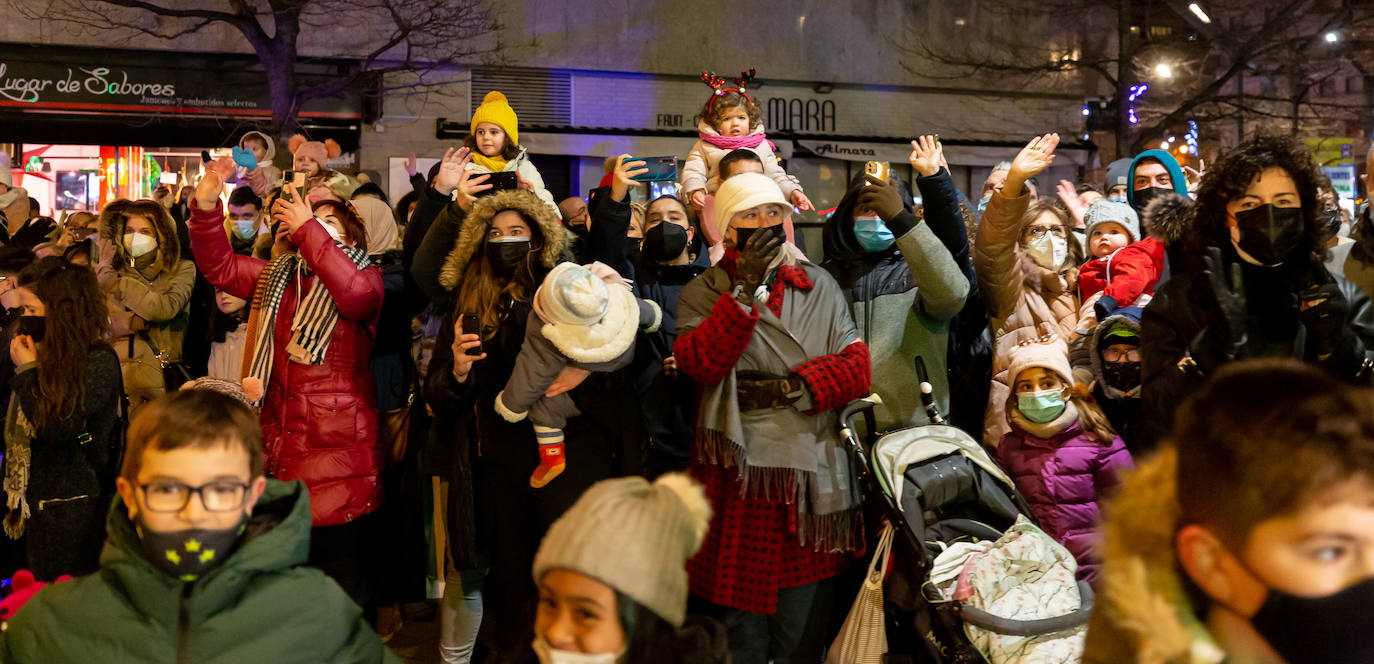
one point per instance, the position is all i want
(1024, 300)
(155, 291)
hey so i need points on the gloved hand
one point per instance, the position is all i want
(881, 197)
(245, 159)
(33, 233)
(1323, 310)
(1224, 338)
(754, 258)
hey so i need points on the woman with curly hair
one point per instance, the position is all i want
(1250, 280)
(60, 426)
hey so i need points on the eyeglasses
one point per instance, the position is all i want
(1113, 355)
(1037, 232)
(220, 496)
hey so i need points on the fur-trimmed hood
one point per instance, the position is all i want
(473, 235)
(271, 146)
(1171, 219)
(116, 215)
(1142, 613)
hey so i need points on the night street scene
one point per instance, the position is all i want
(788, 332)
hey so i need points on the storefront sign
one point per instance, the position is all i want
(132, 81)
(805, 116)
(850, 151)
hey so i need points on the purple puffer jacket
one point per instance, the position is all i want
(1062, 478)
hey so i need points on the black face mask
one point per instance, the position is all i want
(33, 326)
(1270, 234)
(187, 555)
(1333, 628)
(507, 256)
(742, 235)
(1124, 376)
(665, 242)
(1144, 196)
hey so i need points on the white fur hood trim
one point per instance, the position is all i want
(607, 339)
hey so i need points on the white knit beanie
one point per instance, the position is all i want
(1102, 212)
(571, 295)
(742, 192)
(633, 536)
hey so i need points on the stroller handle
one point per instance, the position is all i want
(864, 406)
(984, 620)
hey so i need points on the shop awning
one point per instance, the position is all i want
(956, 153)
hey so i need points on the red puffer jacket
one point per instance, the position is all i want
(1125, 275)
(319, 422)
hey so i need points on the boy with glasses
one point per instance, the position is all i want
(202, 561)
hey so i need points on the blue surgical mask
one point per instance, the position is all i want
(245, 228)
(1117, 198)
(872, 233)
(983, 202)
(1042, 406)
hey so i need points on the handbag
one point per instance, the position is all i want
(863, 637)
(174, 374)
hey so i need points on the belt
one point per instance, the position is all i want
(768, 393)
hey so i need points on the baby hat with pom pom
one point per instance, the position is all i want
(633, 536)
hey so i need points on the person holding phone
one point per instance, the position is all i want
(311, 327)
(484, 257)
(60, 428)
(495, 145)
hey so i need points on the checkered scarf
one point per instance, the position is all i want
(312, 324)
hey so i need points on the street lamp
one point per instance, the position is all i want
(1332, 37)
(1197, 11)
(1164, 70)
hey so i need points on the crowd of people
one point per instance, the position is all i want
(628, 409)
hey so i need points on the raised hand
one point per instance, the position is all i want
(881, 197)
(1031, 161)
(626, 168)
(208, 190)
(451, 170)
(470, 184)
(292, 209)
(800, 201)
(1068, 195)
(410, 165)
(927, 155)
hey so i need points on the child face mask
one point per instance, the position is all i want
(1041, 406)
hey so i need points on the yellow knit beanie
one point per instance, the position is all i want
(496, 110)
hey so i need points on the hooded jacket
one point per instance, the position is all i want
(702, 172)
(155, 288)
(1176, 176)
(1024, 300)
(1063, 478)
(1174, 359)
(319, 421)
(525, 169)
(260, 605)
(1141, 613)
(492, 458)
(267, 174)
(902, 300)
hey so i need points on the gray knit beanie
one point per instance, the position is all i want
(633, 536)
(1104, 211)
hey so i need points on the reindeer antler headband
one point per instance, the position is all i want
(718, 84)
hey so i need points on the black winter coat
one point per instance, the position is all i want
(1172, 361)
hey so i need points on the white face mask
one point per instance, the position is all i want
(139, 244)
(1049, 251)
(329, 228)
(547, 655)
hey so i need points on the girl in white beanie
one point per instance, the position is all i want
(612, 578)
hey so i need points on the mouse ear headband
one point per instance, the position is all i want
(718, 84)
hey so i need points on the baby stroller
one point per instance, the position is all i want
(938, 486)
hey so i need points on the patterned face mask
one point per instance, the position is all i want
(189, 554)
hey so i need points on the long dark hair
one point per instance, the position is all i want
(77, 322)
(481, 288)
(650, 638)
